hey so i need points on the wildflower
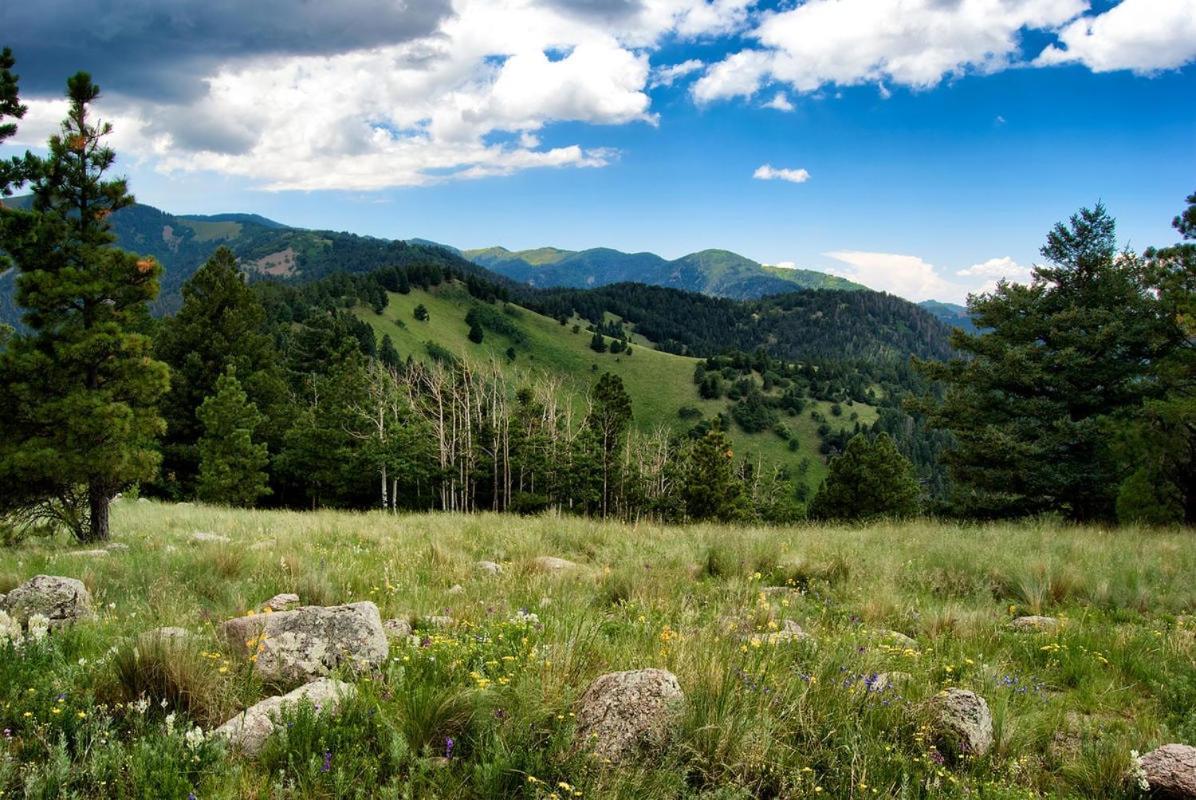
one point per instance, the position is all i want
(1137, 773)
(39, 627)
(448, 746)
(327, 765)
(170, 724)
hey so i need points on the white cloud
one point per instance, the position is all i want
(668, 75)
(913, 43)
(767, 172)
(996, 270)
(905, 276)
(471, 100)
(780, 101)
(1140, 35)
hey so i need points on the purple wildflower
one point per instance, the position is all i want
(327, 761)
(448, 746)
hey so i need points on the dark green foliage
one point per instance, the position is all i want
(421, 313)
(232, 466)
(11, 110)
(387, 353)
(711, 490)
(476, 334)
(221, 326)
(597, 343)
(607, 422)
(80, 389)
(1033, 408)
(753, 413)
(869, 479)
(1148, 498)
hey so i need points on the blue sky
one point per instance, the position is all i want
(928, 146)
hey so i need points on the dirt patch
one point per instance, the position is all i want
(281, 264)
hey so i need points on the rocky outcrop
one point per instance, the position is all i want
(60, 600)
(291, 647)
(248, 731)
(1171, 771)
(623, 714)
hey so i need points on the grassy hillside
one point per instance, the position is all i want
(762, 716)
(660, 384)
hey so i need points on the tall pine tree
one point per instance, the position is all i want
(232, 466)
(81, 385)
(867, 480)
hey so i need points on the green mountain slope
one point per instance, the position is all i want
(660, 383)
(953, 314)
(719, 273)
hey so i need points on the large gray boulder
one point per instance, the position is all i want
(61, 600)
(282, 602)
(248, 731)
(1171, 771)
(962, 723)
(291, 647)
(624, 713)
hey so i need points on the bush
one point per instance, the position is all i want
(870, 479)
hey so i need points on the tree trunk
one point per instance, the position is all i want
(98, 501)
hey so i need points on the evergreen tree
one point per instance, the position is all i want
(421, 313)
(221, 326)
(11, 109)
(81, 386)
(232, 467)
(597, 343)
(869, 479)
(1060, 361)
(387, 353)
(476, 334)
(608, 421)
(710, 489)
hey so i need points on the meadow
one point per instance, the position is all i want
(484, 706)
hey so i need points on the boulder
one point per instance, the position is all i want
(962, 723)
(883, 681)
(552, 564)
(121, 546)
(1034, 623)
(622, 714)
(60, 600)
(203, 537)
(898, 639)
(790, 632)
(397, 628)
(1171, 771)
(291, 647)
(249, 730)
(282, 602)
(488, 567)
(89, 553)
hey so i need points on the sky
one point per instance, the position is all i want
(921, 147)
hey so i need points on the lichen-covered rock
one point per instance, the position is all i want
(1034, 623)
(248, 731)
(962, 723)
(898, 639)
(624, 713)
(553, 564)
(488, 567)
(790, 631)
(60, 600)
(1171, 771)
(397, 628)
(282, 602)
(291, 647)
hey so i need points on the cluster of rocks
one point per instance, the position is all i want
(62, 601)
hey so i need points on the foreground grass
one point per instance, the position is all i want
(484, 709)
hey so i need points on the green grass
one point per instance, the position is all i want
(659, 383)
(207, 231)
(761, 719)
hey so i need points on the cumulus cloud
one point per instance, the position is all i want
(1140, 35)
(994, 271)
(365, 94)
(905, 276)
(780, 102)
(912, 43)
(767, 172)
(668, 75)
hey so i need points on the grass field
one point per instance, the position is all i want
(761, 719)
(659, 383)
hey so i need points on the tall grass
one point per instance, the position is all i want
(484, 708)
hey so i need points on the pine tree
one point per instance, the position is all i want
(232, 466)
(421, 313)
(11, 170)
(869, 479)
(387, 353)
(476, 334)
(221, 325)
(597, 343)
(710, 489)
(608, 420)
(81, 386)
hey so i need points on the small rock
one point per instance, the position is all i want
(89, 553)
(282, 602)
(899, 639)
(202, 537)
(1171, 771)
(142, 500)
(456, 589)
(962, 722)
(625, 713)
(249, 730)
(121, 546)
(1034, 623)
(309, 642)
(883, 681)
(488, 567)
(61, 600)
(397, 628)
(790, 632)
(553, 564)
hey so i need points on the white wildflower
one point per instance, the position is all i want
(1137, 773)
(194, 738)
(38, 627)
(10, 631)
(140, 706)
(524, 618)
(170, 724)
